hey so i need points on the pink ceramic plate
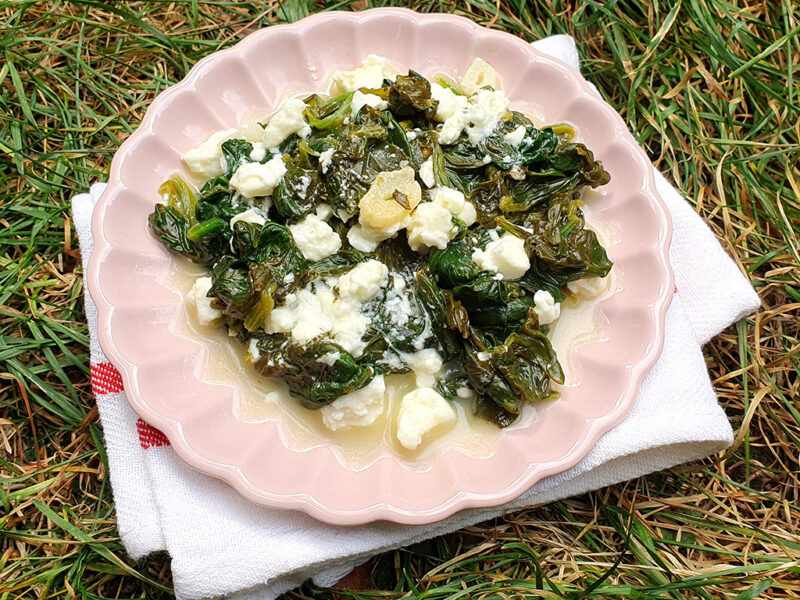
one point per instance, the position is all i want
(138, 312)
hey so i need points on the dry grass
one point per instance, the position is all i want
(708, 87)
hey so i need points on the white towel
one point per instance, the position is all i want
(223, 545)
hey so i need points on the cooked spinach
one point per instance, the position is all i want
(485, 328)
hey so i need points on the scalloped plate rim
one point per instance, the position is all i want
(380, 509)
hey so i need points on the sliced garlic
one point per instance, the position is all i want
(479, 74)
(390, 198)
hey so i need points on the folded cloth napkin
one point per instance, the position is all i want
(224, 545)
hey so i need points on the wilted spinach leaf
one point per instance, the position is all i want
(410, 94)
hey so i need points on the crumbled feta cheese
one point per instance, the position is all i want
(487, 159)
(248, 216)
(253, 353)
(258, 179)
(370, 74)
(302, 189)
(360, 100)
(324, 211)
(315, 238)
(453, 127)
(206, 314)
(356, 409)
(398, 305)
(288, 120)
(318, 310)
(479, 115)
(282, 319)
(588, 287)
(515, 137)
(325, 160)
(505, 256)
(450, 103)
(484, 356)
(288, 278)
(545, 307)
(486, 108)
(465, 393)
(364, 281)
(206, 159)
(258, 153)
(426, 173)
(411, 135)
(366, 238)
(422, 411)
(330, 358)
(426, 365)
(430, 226)
(454, 201)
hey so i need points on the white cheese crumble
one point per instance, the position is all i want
(365, 238)
(369, 74)
(486, 108)
(430, 226)
(465, 393)
(315, 238)
(515, 137)
(318, 310)
(450, 103)
(206, 159)
(259, 152)
(589, 287)
(248, 216)
(426, 173)
(325, 160)
(479, 115)
(361, 100)
(422, 411)
(258, 179)
(324, 211)
(505, 256)
(363, 282)
(454, 201)
(398, 305)
(253, 353)
(288, 120)
(545, 307)
(330, 358)
(302, 189)
(356, 409)
(426, 365)
(206, 314)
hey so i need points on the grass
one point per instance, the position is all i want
(709, 88)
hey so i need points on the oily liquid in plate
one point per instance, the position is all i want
(260, 399)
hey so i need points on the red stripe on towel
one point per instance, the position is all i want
(105, 379)
(149, 436)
